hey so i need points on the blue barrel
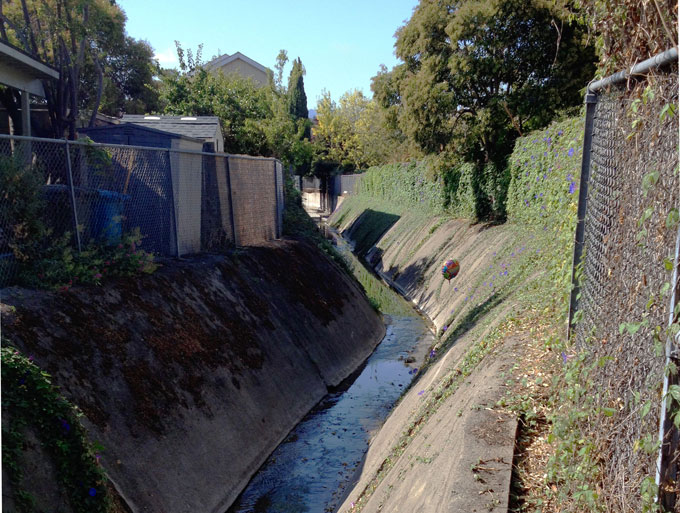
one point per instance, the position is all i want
(107, 222)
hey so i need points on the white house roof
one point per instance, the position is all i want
(226, 59)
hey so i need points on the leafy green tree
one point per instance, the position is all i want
(75, 37)
(238, 102)
(476, 74)
(354, 133)
(255, 120)
(281, 60)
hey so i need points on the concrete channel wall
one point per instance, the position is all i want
(191, 376)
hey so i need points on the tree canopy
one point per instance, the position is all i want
(476, 74)
(85, 40)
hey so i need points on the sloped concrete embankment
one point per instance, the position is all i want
(190, 377)
(447, 446)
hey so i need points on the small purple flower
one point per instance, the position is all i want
(65, 425)
(433, 353)
(560, 132)
(455, 289)
(92, 492)
(444, 328)
(570, 153)
(421, 392)
(572, 187)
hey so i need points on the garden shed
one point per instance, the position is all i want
(161, 176)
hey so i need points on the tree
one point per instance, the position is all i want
(297, 98)
(85, 40)
(476, 74)
(281, 60)
(64, 34)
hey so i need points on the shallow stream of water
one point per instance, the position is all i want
(311, 469)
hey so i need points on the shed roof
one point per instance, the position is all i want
(205, 128)
(135, 127)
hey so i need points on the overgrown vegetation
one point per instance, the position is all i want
(46, 258)
(31, 402)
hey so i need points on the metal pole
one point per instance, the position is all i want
(231, 203)
(276, 203)
(641, 68)
(174, 204)
(591, 104)
(668, 435)
(73, 197)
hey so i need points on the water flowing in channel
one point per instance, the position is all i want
(311, 469)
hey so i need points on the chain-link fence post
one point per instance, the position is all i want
(175, 221)
(591, 104)
(231, 203)
(74, 209)
(669, 438)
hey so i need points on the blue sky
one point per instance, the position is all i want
(341, 42)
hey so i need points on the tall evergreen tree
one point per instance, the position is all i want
(297, 98)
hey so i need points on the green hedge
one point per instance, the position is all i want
(539, 186)
(545, 167)
(405, 185)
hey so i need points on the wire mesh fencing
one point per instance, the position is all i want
(628, 285)
(82, 195)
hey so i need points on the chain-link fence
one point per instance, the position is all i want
(182, 202)
(630, 194)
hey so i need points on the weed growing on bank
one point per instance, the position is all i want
(31, 402)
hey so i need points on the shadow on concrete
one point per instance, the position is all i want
(367, 229)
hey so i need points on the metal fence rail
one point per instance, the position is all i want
(182, 201)
(626, 243)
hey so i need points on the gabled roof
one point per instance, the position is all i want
(206, 128)
(225, 59)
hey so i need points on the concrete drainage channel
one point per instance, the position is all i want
(314, 467)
